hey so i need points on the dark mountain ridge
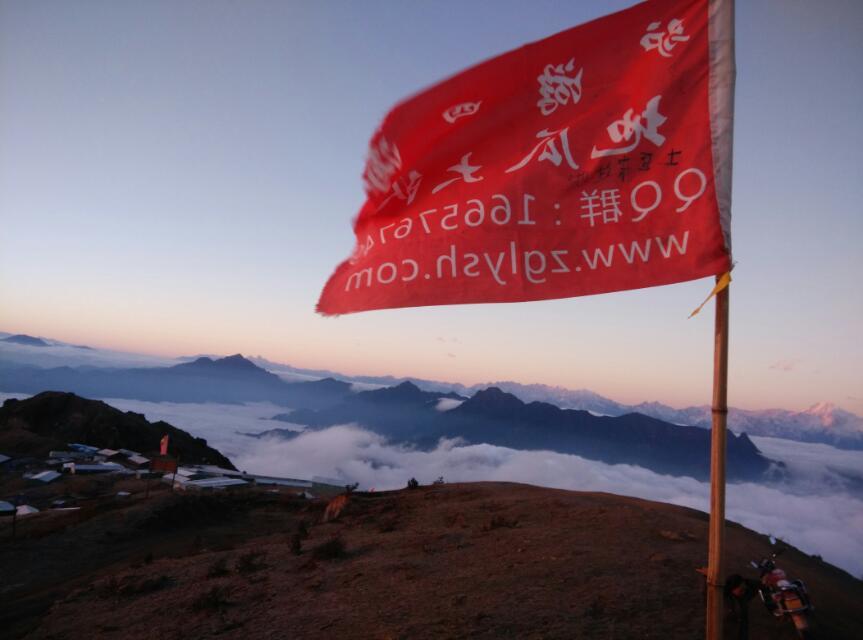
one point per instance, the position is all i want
(402, 413)
(51, 420)
(26, 340)
(409, 415)
(226, 380)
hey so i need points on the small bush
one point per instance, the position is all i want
(296, 544)
(501, 522)
(413, 484)
(108, 588)
(219, 568)
(387, 525)
(330, 550)
(216, 599)
(145, 586)
(453, 519)
(251, 562)
(596, 608)
(303, 529)
(131, 586)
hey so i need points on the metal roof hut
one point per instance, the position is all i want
(43, 476)
(137, 462)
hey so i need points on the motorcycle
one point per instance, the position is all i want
(784, 597)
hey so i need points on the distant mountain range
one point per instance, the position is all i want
(407, 414)
(821, 423)
(30, 341)
(25, 350)
(228, 380)
(824, 423)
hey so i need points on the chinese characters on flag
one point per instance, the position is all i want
(596, 160)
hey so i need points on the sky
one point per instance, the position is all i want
(179, 178)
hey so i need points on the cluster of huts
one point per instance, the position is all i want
(84, 459)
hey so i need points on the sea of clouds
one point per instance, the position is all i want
(818, 507)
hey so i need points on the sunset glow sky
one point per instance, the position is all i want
(179, 178)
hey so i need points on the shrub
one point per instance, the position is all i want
(108, 588)
(296, 544)
(219, 568)
(131, 586)
(500, 522)
(387, 525)
(216, 599)
(251, 562)
(413, 484)
(145, 586)
(303, 529)
(330, 550)
(596, 608)
(450, 519)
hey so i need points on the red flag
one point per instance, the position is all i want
(596, 160)
(163, 446)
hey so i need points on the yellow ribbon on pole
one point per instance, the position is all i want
(723, 282)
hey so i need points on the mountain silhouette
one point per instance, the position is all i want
(402, 413)
(51, 420)
(409, 415)
(225, 380)
(29, 341)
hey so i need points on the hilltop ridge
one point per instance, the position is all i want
(496, 560)
(51, 420)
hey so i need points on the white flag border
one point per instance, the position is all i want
(723, 71)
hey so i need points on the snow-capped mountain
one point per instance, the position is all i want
(822, 422)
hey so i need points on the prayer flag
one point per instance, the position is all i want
(595, 160)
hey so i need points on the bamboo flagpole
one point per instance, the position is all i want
(716, 551)
(416, 242)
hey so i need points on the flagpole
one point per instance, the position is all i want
(718, 440)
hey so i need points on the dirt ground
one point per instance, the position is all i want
(483, 560)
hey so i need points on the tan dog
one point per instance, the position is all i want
(335, 507)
